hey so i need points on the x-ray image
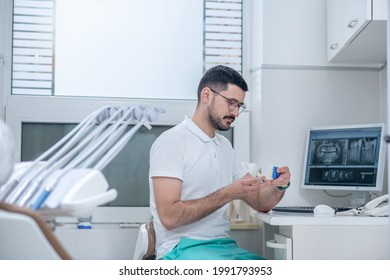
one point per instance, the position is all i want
(329, 151)
(362, 151)
(344, 158)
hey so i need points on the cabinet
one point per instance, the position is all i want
(356, 31)
(305, 237)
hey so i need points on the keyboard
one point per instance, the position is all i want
(304, 209)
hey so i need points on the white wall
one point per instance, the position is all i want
(5, 50)
(294, 88)
(2, 23)
(294, 32)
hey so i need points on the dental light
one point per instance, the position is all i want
(67, 178)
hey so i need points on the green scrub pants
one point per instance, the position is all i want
(215, 249)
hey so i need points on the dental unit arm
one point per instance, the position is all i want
(66, 180)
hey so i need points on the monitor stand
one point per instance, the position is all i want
(359, 198)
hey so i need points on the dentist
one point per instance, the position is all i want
(195, 173)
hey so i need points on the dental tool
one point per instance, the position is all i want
(96, 148)
(149, 115)
(11, 191)
(54, 164)
(68, 173)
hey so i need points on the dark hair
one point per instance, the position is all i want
(218, 78)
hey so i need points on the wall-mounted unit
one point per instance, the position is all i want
(356, 31)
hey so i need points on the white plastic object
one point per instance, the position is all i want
(275, 245)
(323, 210)
(141, 244)
(77, 183)
(22, 239)
(282, 246)
(377, 207)
(79, 192)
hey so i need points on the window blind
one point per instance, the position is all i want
(32, 50)
(223, 33)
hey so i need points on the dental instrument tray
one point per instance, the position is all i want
(66, 180)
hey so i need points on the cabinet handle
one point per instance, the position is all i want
(275, 245)
(353, 23)
(334, 46)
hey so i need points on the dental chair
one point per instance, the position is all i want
(24, 235)
(146, 243)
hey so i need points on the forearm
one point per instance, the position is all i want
(175, 212)
(185, 212)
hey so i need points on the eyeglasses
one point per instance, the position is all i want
(233, 104)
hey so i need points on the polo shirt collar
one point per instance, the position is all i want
(191, 126)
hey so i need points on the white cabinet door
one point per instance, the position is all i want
(345, 19)
(341, 242)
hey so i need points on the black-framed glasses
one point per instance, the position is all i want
(233, 104)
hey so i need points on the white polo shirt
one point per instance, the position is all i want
(204, 165)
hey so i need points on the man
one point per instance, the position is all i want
(195, 173)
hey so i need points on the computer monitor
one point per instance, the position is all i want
(345, 158)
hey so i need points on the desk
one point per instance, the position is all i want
(305, 237)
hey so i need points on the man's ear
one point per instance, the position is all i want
(205, 95)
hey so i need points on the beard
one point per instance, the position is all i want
(216, 121)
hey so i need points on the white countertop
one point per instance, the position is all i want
(288, 219)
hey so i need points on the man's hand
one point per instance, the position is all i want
(284, 177)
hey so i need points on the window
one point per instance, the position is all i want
(117, 49)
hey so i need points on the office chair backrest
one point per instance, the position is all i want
(24, 235)
(146, 243)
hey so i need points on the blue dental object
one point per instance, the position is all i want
(275, 174)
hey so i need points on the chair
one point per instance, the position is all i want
(25, 236)
(146, 243)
